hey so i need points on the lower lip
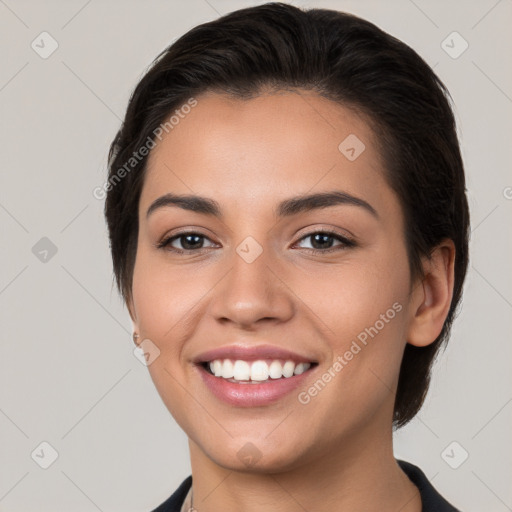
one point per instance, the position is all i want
(252, 395)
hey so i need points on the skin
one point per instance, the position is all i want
(334, 453)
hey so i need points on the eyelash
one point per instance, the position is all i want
(346, 242)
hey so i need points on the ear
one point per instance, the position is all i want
(131, 310)
(432, 296)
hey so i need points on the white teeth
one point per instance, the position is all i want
(288, 368)
(217, 368)
(227, 369)
(258, 371)
(301, 368)
(241, 370)
(275, 370)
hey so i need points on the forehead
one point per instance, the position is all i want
(265, 148)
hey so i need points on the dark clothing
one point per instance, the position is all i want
(431, 500)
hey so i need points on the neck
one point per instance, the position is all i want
(361, 475)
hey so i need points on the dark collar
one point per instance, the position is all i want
(431, 500)
(174, 503)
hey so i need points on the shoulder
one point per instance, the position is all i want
(431, 500)
(175, 501)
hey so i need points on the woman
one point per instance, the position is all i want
(289, 230)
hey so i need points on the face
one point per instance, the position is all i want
(326, 281)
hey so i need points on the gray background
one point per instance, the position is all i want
(68, 375)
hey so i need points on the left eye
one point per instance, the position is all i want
(322, 241)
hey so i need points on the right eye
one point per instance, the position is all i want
(190, 242)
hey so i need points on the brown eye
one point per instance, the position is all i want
(188, 241)
(322, 241)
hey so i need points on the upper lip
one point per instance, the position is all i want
(251, 353)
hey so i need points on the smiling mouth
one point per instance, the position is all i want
(258, 371)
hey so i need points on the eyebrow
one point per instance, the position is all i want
(286, 208)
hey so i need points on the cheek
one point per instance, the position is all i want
(350, 298)
(165, 302)
(360, 309)
(164, 298)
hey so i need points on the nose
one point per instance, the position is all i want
(251, 294)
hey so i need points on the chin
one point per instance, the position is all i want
(255, 455)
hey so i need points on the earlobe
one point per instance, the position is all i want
(432, 297)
